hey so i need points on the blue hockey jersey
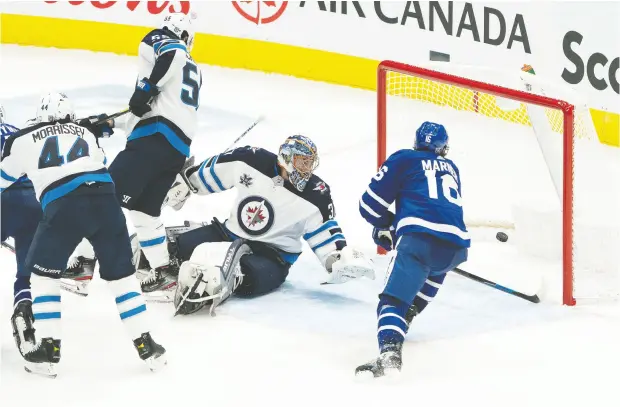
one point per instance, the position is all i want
(427, 190)
(6, 130)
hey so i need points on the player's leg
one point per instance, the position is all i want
(210, 276)
(146, 211)
(113, 249)
(414, 277)
(188, 241)
(21, 213)
(263, 271)
(63, 226)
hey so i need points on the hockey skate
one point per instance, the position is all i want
(43, 358)
(389, 363)
(159, 284)
(23, 329)
(78, 275)
(152, 353)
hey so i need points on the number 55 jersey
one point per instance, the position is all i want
(58, 157)
(168, 64)
(426, 188)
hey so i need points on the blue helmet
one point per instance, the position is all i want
(432, 137)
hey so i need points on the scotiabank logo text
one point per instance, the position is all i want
(435, 14)
(153, 7)
(607, 73)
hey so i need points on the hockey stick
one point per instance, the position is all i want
(110, 117)
(531, 298)
(8, 246)
(260, 119)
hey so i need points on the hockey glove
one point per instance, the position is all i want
(181, 188)
(142, 96)
(101, 130)
(348, 264)
(384, 237)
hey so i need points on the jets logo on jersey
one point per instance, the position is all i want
(255, 215)
(321, 187)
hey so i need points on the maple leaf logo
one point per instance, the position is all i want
(255, 216)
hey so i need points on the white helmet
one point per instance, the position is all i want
(55, 106)
(2, 114)
(180, 25)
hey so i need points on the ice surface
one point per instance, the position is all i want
(300, 345)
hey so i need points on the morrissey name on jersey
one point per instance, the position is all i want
(58, 129)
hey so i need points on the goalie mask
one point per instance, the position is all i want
(299, 157)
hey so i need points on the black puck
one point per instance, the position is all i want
(501, 236)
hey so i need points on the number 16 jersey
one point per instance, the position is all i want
(426, 189)
(166, 62)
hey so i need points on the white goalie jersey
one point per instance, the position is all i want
(169, 66)
(57, 157)
(268, 209)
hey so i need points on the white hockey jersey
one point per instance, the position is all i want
(269, 209)
(57, 157)
(169, 66)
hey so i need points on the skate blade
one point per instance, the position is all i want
(156, 364)
(41, 369)
(75, 286)
(159, 296)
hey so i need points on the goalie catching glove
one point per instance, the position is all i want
(348, 264)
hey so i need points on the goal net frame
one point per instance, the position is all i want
(567, 110)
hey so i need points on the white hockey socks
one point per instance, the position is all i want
(152, 237)
(46, 306)
(131, 305)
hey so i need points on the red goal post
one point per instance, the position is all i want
(566, 109)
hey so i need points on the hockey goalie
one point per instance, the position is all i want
(279, 202)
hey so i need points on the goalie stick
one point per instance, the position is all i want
(531, 298)
(245, 133)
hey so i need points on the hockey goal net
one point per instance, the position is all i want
(516, 140)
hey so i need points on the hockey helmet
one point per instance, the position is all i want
(299, 157)
(432, 137)
(180, 25)
(53, 107)
(2, 114)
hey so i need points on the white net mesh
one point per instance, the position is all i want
(511, 159)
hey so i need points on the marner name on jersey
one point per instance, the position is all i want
(57, 129)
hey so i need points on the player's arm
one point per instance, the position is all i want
(325, 237)
(323, 234)
(381, 193)
(11, 168)
(169, 57)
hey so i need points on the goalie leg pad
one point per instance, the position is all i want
(211, 275)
